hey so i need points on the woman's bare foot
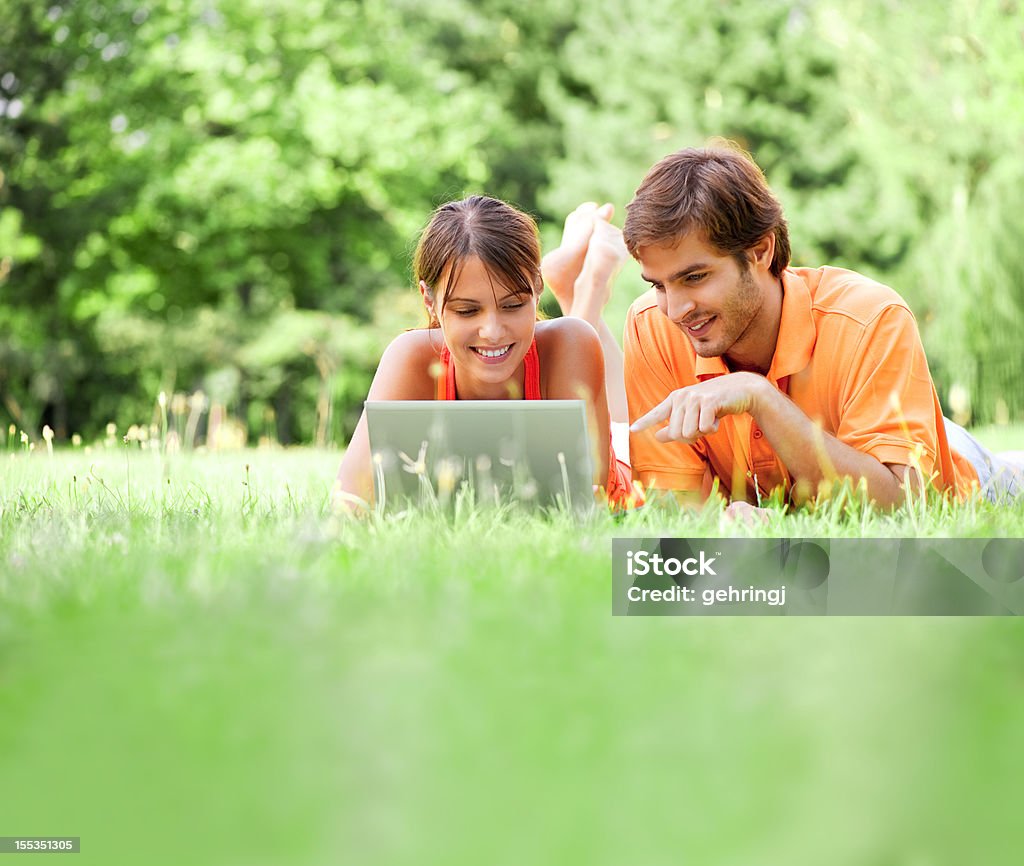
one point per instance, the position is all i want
(562, 266)
(605, 254)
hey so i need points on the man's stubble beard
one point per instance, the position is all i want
(742, 307)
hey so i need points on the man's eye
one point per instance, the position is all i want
(696, 278)
(659, 289)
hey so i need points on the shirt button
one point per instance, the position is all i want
(758, 434)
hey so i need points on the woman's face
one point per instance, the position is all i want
(488, 330)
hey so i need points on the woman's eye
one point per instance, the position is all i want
(465, 313)
(515, 306)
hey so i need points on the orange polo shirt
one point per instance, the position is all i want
(849, 355)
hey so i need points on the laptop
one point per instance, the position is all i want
(533, 454)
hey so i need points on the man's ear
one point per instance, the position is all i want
(762, 253)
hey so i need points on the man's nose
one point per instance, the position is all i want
(679, 306)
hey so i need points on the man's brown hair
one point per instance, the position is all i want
(718, 191)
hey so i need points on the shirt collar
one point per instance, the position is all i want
(796, 330)
(796, 336)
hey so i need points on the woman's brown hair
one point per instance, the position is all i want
(503, 238)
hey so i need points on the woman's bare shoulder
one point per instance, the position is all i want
(566, 336)
(570, 356)
(417, 344)
(409, 366)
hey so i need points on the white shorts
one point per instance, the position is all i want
(620, 440)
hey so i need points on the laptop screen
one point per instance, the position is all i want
(527, 453)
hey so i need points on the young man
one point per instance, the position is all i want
(742, 369)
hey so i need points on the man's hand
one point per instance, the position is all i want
(746, 514)
(693, 412)
(809, 454)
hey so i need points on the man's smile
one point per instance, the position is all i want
(700, 326)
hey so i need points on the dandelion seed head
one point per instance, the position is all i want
(528, 490)
(446, 477)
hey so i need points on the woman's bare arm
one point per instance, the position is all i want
(404, 373)
(572, 368)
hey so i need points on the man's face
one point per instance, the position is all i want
(710, 297)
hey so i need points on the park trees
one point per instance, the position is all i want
(203, 194)
(184, 179)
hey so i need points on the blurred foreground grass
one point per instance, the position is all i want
(199, 664)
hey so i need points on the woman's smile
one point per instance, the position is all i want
(496, 355)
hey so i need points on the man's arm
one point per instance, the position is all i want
(677, 467)
(809, 454)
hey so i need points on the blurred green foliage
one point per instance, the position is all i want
(223, 194)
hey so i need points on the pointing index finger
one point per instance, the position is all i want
(661, 412)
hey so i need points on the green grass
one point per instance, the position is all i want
(199, 663)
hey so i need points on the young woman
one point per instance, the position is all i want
(479, 271)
